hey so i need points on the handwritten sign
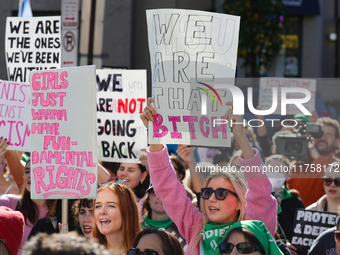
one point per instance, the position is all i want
(32, 44)
(308, 225)
(121, 98)
(266, 93)
(64, 145)
(15, 121)
(189, 51)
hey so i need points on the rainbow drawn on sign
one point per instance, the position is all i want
(204, 103)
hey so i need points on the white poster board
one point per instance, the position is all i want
(189, 51)
(266, 93)
(32, 44)
(15, 121)
(121, 98)
(64, 144)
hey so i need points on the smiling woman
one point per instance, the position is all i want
(116, 217)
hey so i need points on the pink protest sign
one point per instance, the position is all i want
(15, 114)
(63, 131)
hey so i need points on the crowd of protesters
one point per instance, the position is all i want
(165, 206)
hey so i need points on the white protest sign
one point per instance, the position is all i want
(189, 52)
(121, 98)
(32, 44)
(266, 93)
(64, 140)
(15, 121)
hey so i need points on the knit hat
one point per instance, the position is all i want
(11, 228)
(262, 234)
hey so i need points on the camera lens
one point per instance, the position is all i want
(293, 147)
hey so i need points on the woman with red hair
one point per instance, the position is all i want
(116, 217)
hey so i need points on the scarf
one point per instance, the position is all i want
(148, 223)
(212, 236)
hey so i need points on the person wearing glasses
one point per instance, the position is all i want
(225, 198)
(116, 217)
(249, 237)
(331, 184)
(153, 241)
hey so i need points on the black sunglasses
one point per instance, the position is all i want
(136, 251)
(112, 182)
(220, 193)
(242, 248)
(327, 181)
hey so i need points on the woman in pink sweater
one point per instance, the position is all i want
(225, 199)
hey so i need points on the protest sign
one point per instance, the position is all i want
(266, 93)
(15, 121)
(189, 52)
(121, 98)
(308, 225)
(64, 145)
(32, 44)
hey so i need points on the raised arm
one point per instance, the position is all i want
(261, 205)
(167, 187)
(17, 168)
(185, 152)
(103, 174)
(3, 146)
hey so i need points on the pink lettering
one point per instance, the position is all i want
(157, 125)
(175, 119)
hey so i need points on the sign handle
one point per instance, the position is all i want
(64, 216)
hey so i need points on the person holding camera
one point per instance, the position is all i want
(307, 177)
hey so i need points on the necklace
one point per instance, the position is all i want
(118, 253)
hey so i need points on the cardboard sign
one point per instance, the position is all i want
(266, 93)
(308, 225)
(64, 145)
(32, 44)
(121, 98)
(15, 121)
(189, 52)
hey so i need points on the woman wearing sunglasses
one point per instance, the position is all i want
(224, 198)
(153, 241)
(116, 217)
(331, 184)
(249, 237)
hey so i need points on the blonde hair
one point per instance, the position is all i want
(239, 183)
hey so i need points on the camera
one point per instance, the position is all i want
(295, 146)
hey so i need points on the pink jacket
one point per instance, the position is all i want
(260, 204)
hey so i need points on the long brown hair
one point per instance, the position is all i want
(27, 207)
(129, 212)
